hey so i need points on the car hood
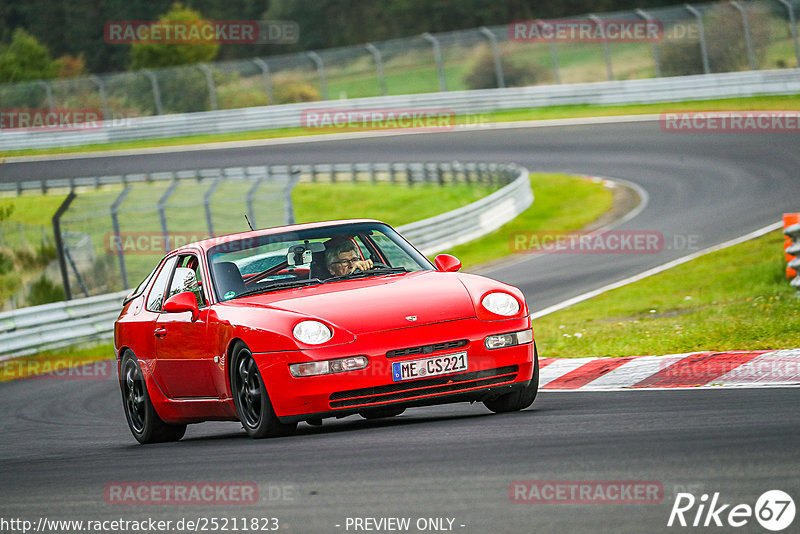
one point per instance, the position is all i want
(378, 303)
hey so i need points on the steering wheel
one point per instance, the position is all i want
(374, 264)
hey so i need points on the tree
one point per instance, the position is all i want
(158, 55)
(25, 59)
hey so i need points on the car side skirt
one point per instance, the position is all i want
(186, 410)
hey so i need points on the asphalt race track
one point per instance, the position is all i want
(63, 441)
(703, 189)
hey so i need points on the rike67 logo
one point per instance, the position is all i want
(774, 510)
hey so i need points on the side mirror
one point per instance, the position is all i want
(182, 302)
(447, 263)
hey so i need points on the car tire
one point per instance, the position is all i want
(521, 398)
(145, 424)
(250, 397)
(381, 413)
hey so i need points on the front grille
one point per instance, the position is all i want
(427, 349)
(427, 386)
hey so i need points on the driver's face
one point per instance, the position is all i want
(345, 264)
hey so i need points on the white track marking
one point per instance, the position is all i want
(559, 368)
(655, 270)
(634, 371)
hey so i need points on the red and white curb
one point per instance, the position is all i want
(697, 369)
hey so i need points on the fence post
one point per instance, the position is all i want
(653, 45)
(212, 91)
(294, 178)
(376, 55)
(554, 57)
(261, 64)
(748, 40)
(437, 55)
(372, 177)
(207, 205)
(323, 83)
(115, 226)
(48, 91)
(251, 212)
(702, 33)
(793, 25)
(156, 92)
(162, 215)
(498, 64)
(62, 263)
(101, 89)
(598, 21)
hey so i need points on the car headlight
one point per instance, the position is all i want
(508, 340)
(339, 365)
(501, 304)
(312, 332)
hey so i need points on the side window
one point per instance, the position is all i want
(156, 296)
(396, 256)
(187, 278)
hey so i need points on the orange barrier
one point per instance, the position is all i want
(788, 220)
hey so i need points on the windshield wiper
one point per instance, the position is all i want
(369, 272)
(277, 285)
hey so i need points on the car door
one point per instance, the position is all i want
(183, 353)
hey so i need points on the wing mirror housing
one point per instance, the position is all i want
(183, 302)
(447, 263)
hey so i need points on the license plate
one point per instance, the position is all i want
(436, 365)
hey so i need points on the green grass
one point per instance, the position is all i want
(561, 203)
(416, 71)
(89, 215)
(789, 102)
(737, 298)
(393, 204)
(33, 209)
(734, 299)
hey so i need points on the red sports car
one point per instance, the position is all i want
(304, 322)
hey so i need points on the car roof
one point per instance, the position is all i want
(206, 244)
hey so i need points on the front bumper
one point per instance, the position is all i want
(489, 372)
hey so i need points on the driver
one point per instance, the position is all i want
(343, 258)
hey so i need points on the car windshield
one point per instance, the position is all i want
(274, 262)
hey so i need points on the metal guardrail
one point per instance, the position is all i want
(394, 172)
(29, 330)
(673, 89)
(793, 232)
(474, 220)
